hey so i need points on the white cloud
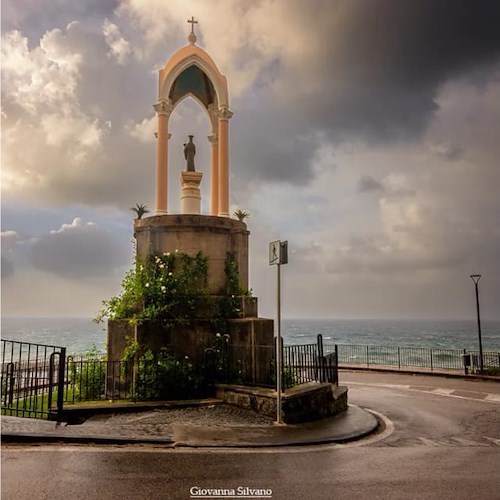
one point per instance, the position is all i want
(44, 82)
(143, 131)
(9, 240)
(119, 48)
(47, 75)
(76, 225)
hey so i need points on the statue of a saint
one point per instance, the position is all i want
(189, 152)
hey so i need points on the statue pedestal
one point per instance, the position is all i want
(190, 194)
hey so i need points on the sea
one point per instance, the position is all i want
(80, 335)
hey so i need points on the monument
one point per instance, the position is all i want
(191, 73)
(190, 181)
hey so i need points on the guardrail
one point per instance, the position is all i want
(32, 379)
(432, 359)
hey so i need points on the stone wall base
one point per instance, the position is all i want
(255, 337)
(303, 403)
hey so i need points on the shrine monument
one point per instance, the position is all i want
(223, 241)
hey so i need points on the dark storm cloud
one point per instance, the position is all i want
(371, 71)
(387, 60)
(10, 240)
(7, 267)
(78, 251)
(367, 184)
(265, 147)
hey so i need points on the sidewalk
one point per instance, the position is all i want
(408, 370)
(214, 425)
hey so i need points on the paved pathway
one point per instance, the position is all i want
(213, 425)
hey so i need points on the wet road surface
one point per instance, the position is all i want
(442, 441)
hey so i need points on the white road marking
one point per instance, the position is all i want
(444, 392)
(493, 440)
(493, 397)
(467, 442)
(431, 442)
(456, 441)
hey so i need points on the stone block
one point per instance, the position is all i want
(303, 403)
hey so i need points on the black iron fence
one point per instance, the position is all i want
(246, 365)
(143, 379)
(256, 365)
(37, 380)
(309, 363)
(32, 379)
(432, 359)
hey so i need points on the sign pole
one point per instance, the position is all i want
(278, 254)
(279, 361)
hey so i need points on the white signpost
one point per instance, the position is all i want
(278, 255)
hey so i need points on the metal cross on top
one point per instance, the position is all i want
(193, 22)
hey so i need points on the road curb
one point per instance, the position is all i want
(340, 429)
(27, 437)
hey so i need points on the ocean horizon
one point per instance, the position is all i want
(80, 334)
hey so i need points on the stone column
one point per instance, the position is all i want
(190, 193)
(163, 110)
(224, 115)
(214, 174)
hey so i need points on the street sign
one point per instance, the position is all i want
(274, 253)
(278, 253)
(284, 252)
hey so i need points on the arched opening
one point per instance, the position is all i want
(191, 72)
(189, 118)
(193, 81)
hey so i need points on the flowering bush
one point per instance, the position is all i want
(168, 287)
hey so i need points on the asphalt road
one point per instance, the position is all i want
(442, 441)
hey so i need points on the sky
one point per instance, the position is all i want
(364, 133)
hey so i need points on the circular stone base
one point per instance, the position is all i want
(214, 236)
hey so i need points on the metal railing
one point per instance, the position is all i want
(37, 379)
(431, 359)
(163, 378)
(172, 378)
(32, 379)
(247, 365)
(308, 363)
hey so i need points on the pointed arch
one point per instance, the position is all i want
(191, 72)
(192, 55)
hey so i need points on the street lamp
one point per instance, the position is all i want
(475, 279)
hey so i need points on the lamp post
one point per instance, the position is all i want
(475, 279)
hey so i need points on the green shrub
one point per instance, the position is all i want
(169, 287)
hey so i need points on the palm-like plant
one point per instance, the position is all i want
(241, 215)
(140, 210)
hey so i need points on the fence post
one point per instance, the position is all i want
(9, 393)
(367, 355)
(282, 351)
(399, 358)
(321, 367)
(432, 368)
(60, 383)
(51, 381)
(466, 368)
(336, 365)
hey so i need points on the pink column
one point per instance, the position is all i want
(163, 110)
(224, 115)
(214, 174)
